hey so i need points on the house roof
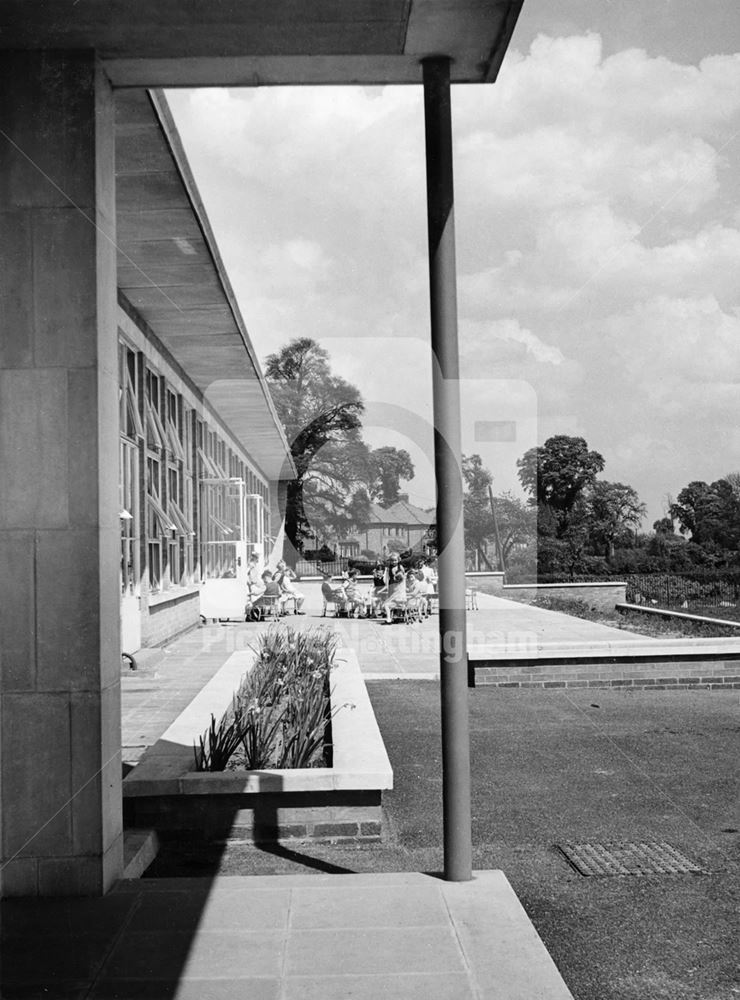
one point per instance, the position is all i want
(400, 513)
(262, 42)
(170, 271)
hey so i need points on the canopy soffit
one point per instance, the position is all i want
(171, 43)
(170, 271)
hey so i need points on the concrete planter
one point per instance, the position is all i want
(164, 791)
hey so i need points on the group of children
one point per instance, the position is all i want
(268, 589)
(393, 588)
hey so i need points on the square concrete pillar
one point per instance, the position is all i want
(60, 730)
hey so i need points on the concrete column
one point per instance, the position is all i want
(448, 472)
(60, 766)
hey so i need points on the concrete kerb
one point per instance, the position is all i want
(360, 759)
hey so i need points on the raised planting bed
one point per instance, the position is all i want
(342, 802)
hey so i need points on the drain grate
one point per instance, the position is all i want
(647, 858)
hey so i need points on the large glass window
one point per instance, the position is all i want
(129, 516)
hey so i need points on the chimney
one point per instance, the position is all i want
(403, 497)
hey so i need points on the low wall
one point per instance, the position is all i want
(652, 664)
(489, 581)
(168, 615)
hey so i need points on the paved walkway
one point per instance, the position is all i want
(292, 937)
(305, 937)
(154, 697)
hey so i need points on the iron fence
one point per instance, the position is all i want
(319, 567)
(685, 590)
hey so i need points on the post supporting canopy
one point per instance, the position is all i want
(448, 466)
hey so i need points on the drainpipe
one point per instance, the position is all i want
(448, 472)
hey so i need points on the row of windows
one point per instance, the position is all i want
(167, 451)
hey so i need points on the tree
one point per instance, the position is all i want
(516, 521)
(477, 514)
(335, 498)
(663, 526)
(614, 512)
(710, 514)
(733, 478)
(556, 474)
(388, 466)
(321, 413)
(517, 524)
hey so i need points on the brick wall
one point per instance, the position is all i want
(165, 620)
(633, 672)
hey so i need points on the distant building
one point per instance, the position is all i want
(402, 522)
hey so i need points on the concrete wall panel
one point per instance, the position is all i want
(95, 753)
(47, 93)
(33, 451)
(16, 308)
(35, 775)
(82, 435)
(65, 304)
(17, 612)
(59, 461)
(67, 589)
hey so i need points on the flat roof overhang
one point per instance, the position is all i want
(170, 271)
(192, 43)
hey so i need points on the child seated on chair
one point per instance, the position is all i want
(352, 592)
(284, 578)
(415, 588)
(333, 594)
(270, 597)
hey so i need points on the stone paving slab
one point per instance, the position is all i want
(406, 935)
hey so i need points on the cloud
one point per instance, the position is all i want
(598, 239)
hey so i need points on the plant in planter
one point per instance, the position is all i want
(281, 713)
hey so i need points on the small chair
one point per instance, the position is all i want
(415, 609)
(265, 606)
(471, 599)
(332, 597)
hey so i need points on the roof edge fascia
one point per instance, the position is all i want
(172, 137)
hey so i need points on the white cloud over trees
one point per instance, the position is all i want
(598, 239)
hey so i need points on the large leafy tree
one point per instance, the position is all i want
(710, 514)
(615, 511)
(321, 413)
(556, 473)
(387, 467)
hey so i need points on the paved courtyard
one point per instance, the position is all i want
(154, 697)
(335, 921)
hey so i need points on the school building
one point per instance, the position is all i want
(139, 449)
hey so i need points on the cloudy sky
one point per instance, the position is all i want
(598, 239)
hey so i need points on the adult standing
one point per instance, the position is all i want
(395, 577)
(255, 586)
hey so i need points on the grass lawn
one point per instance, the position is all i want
(555, 767)
(655, 626)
